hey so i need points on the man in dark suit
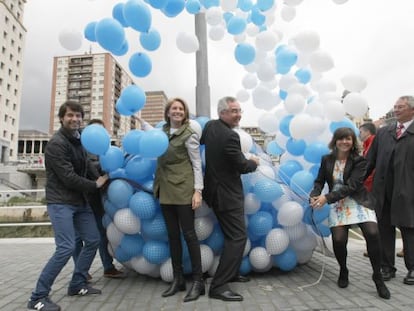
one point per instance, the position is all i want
(223, 191)
(391, 155)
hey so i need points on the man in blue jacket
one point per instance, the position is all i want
(67, 166)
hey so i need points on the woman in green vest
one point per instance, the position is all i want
(178, 184)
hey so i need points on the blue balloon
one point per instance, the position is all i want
(143, 205)
(314, 169)
(150, 40)
(274, 149)
(282, 94)
(130, 142)
(288, 169)
(157, 4)
(89, 31)
(154, 228)
(257, 17)
(138, 169)
(138, 15)
(133, 98)
(132, 245)
(95, 139)
(155, 252)
(236, 25)
(119, 193)
(110, 208)
(314, 152)
(244, 53)
(304, 75)
(287, 260)
(118, 14)
(110, 34)
(122, 50)
(193, 6)
(202, 121)
(118, 173)
(267, 190)
(302, 183)
(106, 220)
(160, 124)
(112, 160)
(260, 223)
(295, 147)
(245, 5)
(314, 216)
(140, 64)
(282, 69)
(173, 7)
(343, 123)
(122, 109)
(284, 124)
(245, 267)
(265, 5)
(121, 255)
(227, 16)
(322, 230)
(210, 3)
(216, 240)
(285, 56)
(153, 143)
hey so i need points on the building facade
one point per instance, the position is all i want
(12, 39)
(96, 81)
(153, 111)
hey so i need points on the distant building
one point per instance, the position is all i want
(12, 39)
(153, 111)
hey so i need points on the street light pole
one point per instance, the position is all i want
(202, 86)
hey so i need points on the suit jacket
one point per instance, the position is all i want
(385, 151)
(225, 162)
(353, 178)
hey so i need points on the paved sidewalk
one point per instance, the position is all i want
(22, 259)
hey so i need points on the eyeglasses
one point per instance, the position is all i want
(234, 111)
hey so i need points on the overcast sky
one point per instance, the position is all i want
(373, 38)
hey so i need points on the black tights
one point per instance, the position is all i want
(371, 235)
(177, 216)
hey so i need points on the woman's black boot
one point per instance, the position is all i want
(197, 289)
(178, 284)
(382, 289)
(343, 278)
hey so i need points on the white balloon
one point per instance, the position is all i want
(266, 71)
(247, 247)
(203, 210)
(252, 30)
(288, 13)
(324, 85)
(143, 266)
(207, 257)
(286, 81)
(314, 109)
(216, 33)
(246, 141)
(334, 110)
(299, 126)
(214, 266)
(321, 61)
(252, 67)
(290, 214)
(166, 271)
(187, 43)
(292, 2)
(266, 40)
(340, 1)
(214, 16)
(294, 103)
(355, 104)
(307, 41)
(242, 96)
(70, 39)
(126, 221)
(249, 81)
(251, 204)
(277, 241)
(229, 5)
(296, 232)
(196, 127)
(268, 123)
(266, 171)
(203, 227)
(114, 235)
(299, 88)
(354, 82)
(240, 38)
(263, 98)
(259, 257)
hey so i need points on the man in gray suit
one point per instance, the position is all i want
(223, 191)
(391, 154)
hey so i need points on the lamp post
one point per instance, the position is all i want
(202, 86)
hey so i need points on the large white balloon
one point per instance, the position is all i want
(246, 141)
(354, 82)
(307, 41)
(294, 103)
(290, 214)
(187, 43)
(249, 81)
(277, 241)
(300, 126)
(242, 96)
(355, 104)
(266, 40)
(216, 33)
(321, 61)
(288, 13)
(229, 5)
(268, 123)
(266, 71)
(334, 110)
(214, 16)
(292, 2)
(70, 39)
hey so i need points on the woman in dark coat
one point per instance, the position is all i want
(344, 171)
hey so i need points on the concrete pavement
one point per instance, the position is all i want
(22, 259)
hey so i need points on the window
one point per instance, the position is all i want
(5, 117)
(6, 19)
(28, 146)
(10, 72)
(17, 78)
(12, 42)
(4, 34)
(3, 50)
(1, 65)
(8, 87)
(4, 134)
(11, 137)
(13, 121)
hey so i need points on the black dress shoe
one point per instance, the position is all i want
(227, 295)
(387, 274)
(177, 285)
(409, 279)
(240, 279)
(382, 289)
(197, 289)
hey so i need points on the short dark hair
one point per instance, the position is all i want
(370, 127)
(72, 105)
(341, 133)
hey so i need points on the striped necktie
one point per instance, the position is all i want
(399, 132)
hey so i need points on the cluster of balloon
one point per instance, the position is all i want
(301, 108)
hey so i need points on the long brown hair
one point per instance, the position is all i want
(341, 133)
